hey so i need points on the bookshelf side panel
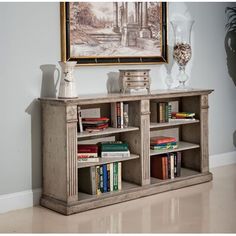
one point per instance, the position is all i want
(54, 151)
(204, 134)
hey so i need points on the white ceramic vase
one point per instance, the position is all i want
(67, 87)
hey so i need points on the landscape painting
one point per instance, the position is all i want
(115, 32)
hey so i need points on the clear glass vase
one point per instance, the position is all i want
(182, 51)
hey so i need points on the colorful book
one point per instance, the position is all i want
(90, 148)
(119, 176)
(161, 140)
(115, 176)
(111, 177)
(86, 155)
(159, 167)
(104, 167)
(108, 177)
(88, 159)
(114, 147)
(101, 179)
(97, 178)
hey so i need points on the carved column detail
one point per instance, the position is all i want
(71, 130)
(204, 134)
(116, 28)
(145, 141)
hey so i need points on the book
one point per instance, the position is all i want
(114, 147)
(113, 115)
(159, 167)
(119, 176)
(108, 177)
(87, 180)
(101, 179)
(161, 140)
(87, 148)
(104, 167)
(172, 175)
(111, 177)
(90, 113)
(115, 176)
(178, 171)
(97, 178)
(126, 115)
(182, 114)
(88, 159)
(79, 116)
(116, 154)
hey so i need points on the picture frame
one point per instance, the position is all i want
(108, 33)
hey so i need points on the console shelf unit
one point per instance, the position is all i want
(60, 138)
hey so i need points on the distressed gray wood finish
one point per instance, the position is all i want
(59, 143)
(59, 132)
(125, 195)
(204, 134)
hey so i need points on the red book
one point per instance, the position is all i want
(158, 167)
(96, 119)
(161, 140)
(89, 148)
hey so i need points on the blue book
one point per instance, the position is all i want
(104, 167)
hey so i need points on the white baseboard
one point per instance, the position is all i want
(222, 159)
(19, 200)
(15, 201)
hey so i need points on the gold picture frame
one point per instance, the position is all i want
(141, 58)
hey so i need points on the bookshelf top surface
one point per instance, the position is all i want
(113, 97)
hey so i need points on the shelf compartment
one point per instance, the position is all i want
(185, 173)
(172, 123)
(106, 160)
(108, 131)
(181, 147)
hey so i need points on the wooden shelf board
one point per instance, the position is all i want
(181, 147)
(125, 187)
(105, 160)
(172, 123)
(185, 173)
(109, 130)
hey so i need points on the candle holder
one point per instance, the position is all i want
(182, 51)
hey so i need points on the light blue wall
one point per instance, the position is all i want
(30, 37)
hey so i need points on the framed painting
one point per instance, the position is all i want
(98, 33)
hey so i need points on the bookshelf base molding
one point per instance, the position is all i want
(124, 195)
(70, 186)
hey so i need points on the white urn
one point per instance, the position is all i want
(67, 87)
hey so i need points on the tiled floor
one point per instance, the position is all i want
(209, 207)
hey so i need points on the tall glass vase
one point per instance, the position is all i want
(182, 51)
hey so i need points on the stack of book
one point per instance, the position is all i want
(95, 124)
(119, 115)
(108, 177)
(87, 153)
(163, 142)
(183, 115)
(160, 112)
(166, 166)
(114, 149)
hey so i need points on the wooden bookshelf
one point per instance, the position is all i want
(60, 137)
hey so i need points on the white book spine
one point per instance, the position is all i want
(172, 168)
(80, 120)
(119, 176)
(111, 177)
(90, 159)
(115, 154)
(121, 115)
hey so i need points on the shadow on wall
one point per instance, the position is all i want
(49, 84)
(230, 42)
(113, 82)
(36, 163)
(48, 89)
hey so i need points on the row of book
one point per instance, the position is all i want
(93, 152)
(163, 142)
(100, 179)
(119, 115)
(167, 166)
(160, 112)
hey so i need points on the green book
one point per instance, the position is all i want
(114, 147)
(115, 176)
